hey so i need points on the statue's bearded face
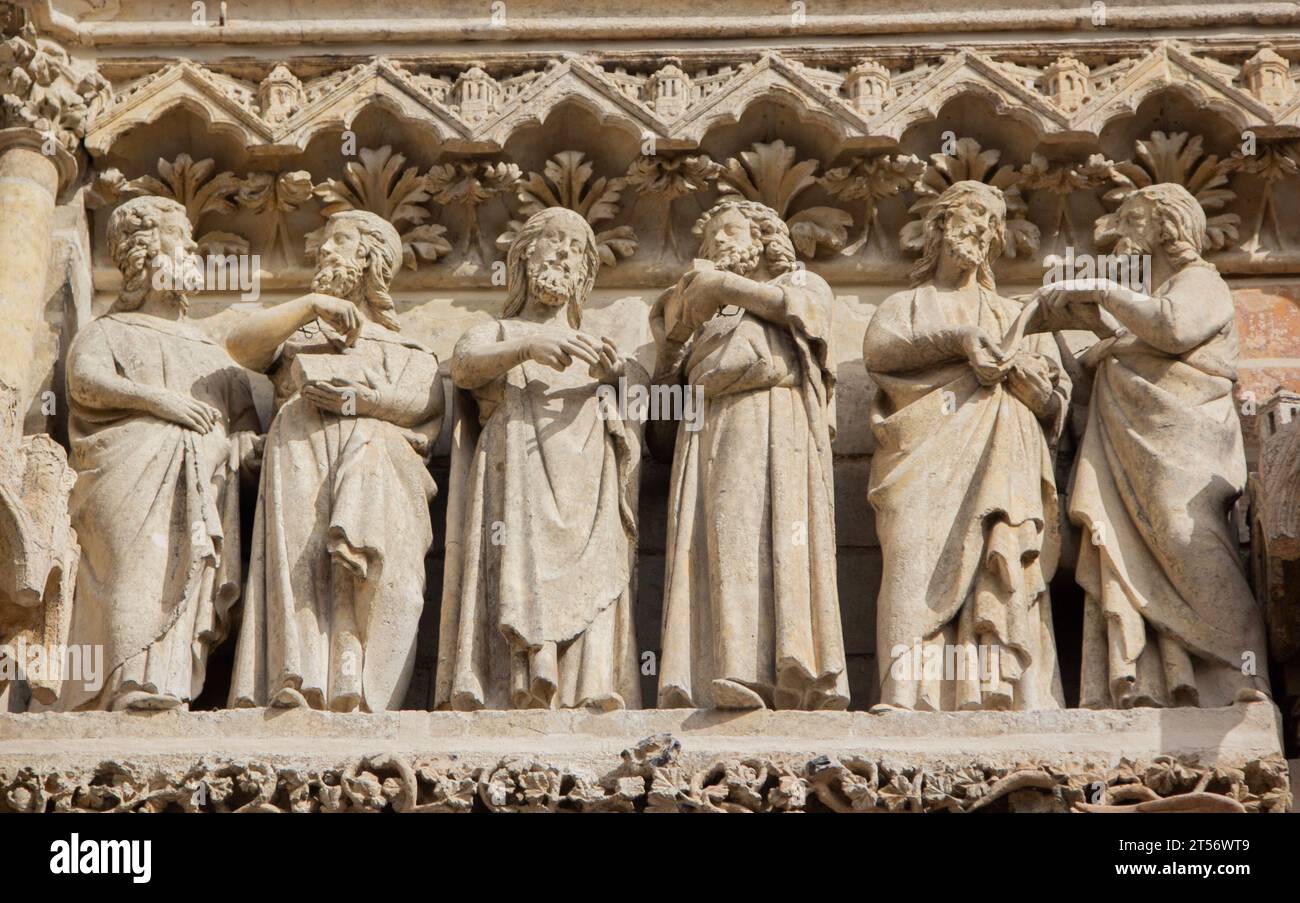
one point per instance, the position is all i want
(340, 262)
(555, 264)
(1139, 227)
(730, 242)
(177, 268)
(968, 231)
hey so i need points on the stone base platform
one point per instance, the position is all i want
(1227, 759)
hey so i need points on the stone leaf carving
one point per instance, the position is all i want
(653, 776)
(468, 184)
(672, 175)
(1177, 158)
(970, 161)
(273, 195)
(1272, 163)
(379, 184)
(566, 181)
(769, 174)
(660, 179)
(194, 184)
(40, 87)
(1059, 180)
(869, 180)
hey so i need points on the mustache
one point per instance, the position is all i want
(336, 275)
(741, 259)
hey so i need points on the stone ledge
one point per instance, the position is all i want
(1226, 759)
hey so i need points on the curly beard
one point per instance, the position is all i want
(178, 276)
(552, 284)
(739, 259)
(337, 276)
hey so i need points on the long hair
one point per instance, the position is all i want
(383, 251)
(765, 225)
(134, 241)
(1182, 222)
(932, 228)
(517, 262)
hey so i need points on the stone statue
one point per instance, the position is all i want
(336, 581)
(1169, 616)
(751, 612)
(962, 480)
(538, 590)
(160, 422)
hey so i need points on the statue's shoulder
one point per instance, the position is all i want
(1199, 278)
(480, 334)
(899, 302)
(805, 279)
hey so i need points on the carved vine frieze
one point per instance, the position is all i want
(653, 776)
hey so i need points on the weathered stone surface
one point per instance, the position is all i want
(776, 583)
(1215, 760)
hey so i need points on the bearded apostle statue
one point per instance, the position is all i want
(541, 524)
(336, 580)
(1169, 617)
(751, 613)
(161, 421)
(962, 480)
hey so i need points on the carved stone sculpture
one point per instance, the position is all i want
(1170, 618)
(751, 610)
(1275, 540)
(160, 422)
(537, 595)
(962, 481)
(40, 554)
(336, 581)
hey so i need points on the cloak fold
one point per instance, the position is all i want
(541, 543)
(156, 508)
(336, 581)
(750, 593)
(964, 490)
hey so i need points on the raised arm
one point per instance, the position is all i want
(1196, 307)
(256, 339)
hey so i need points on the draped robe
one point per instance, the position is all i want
(1169, 614)
(750, 590)
(964, 492)
(538, 591)
(336, 580)
(156, 509)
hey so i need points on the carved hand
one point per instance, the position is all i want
(558, 353)
(1030, 380)
(609, 365)
(341, 316)
(183, 410)
(984, 355)
(248, 448)
(342, 396)
(702, 294)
